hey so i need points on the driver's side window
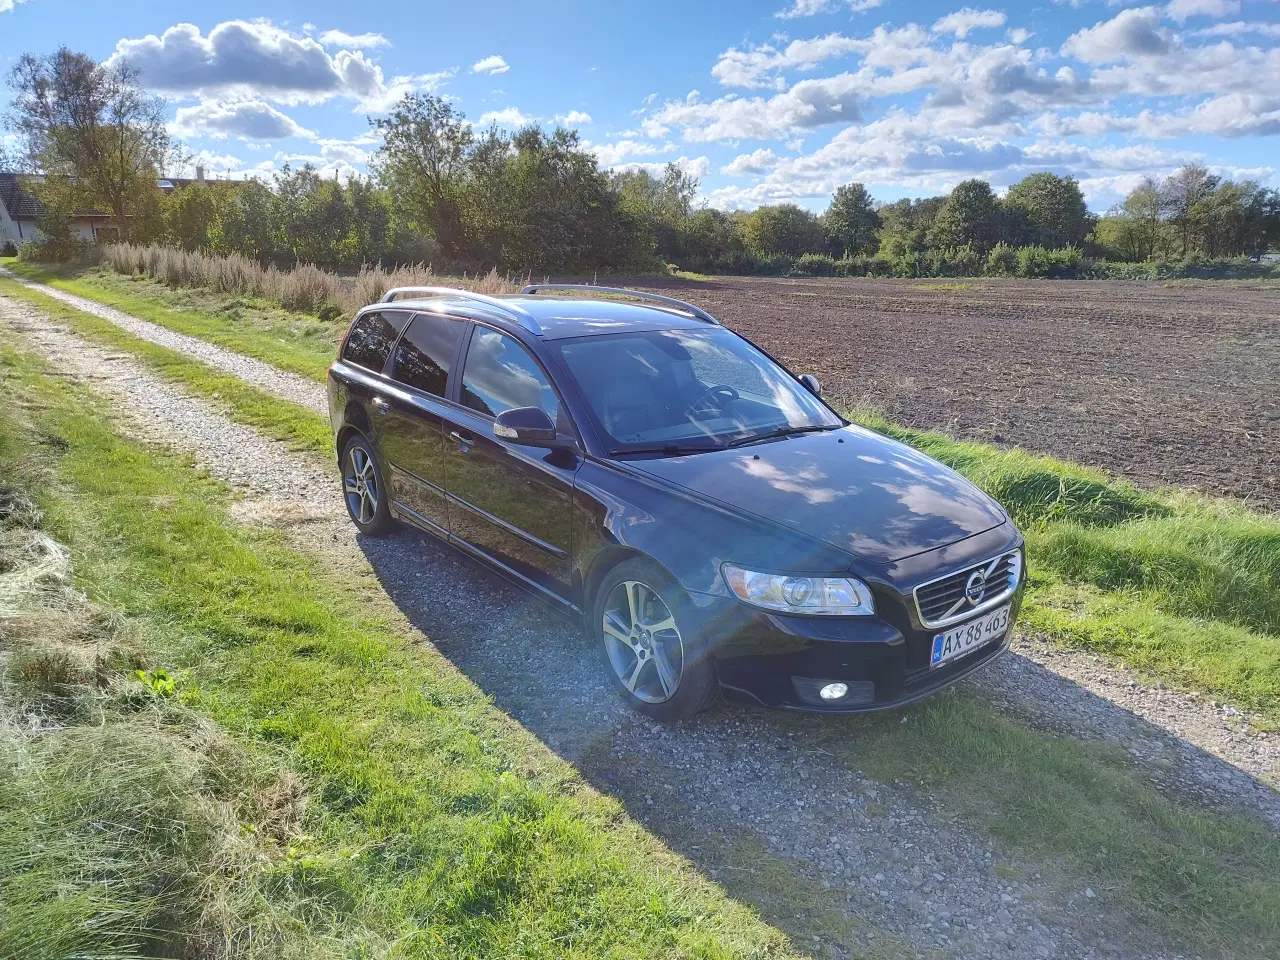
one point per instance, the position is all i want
(499, 374)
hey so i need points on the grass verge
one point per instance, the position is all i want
(436, 827)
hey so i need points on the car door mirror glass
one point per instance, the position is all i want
(812, 384)
(527, 425)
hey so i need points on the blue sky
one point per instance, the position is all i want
(762, 100)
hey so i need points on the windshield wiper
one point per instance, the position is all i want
(666, 449)
(781, 432)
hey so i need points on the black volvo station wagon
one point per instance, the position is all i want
(716, 526)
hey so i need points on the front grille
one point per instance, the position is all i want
(945, 600)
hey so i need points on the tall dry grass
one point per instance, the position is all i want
(306, 288)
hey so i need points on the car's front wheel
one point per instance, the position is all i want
(652, 648)
(363, 490)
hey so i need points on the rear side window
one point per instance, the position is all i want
(369, 342)
(425, 352)
(500, 374)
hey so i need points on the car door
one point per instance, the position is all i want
(509, 502)
(410, 417)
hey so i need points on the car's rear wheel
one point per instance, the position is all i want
(363, 489)
(652, 647)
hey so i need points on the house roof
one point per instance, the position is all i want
(17, 201)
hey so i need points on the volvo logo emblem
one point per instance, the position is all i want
(976, 587)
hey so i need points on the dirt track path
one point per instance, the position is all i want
(888, 860)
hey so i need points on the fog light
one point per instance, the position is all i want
(833, 691)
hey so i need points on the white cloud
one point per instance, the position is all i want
(966, 20)
(491, 66)
(244, 119)
(762, 66)
(697, 167)
(219, 166)
(805, 106)
(347, 151)
(1131, 34)
(1239, 28)
(574, 118)
(7, 5)
(757, 161)
(260, 61)
(809, 8)
(1182, 10)
(612, 154)
(1019, 35)
(506, 117)
(359, 41)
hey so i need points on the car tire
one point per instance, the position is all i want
(363, 489)
(665, 672)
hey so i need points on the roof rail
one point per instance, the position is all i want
(697, 312)
(513, 310)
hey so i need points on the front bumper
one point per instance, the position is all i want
(780, 661)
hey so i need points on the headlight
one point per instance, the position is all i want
(820, 596)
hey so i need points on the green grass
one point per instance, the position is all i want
(279, 419)
(296, 342)
(1184, 588)
(436, 826)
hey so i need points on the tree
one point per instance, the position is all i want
(423, 161)
(905, 224)
(660, 205)
(850, 221)
(1054, 208)
(1182, 202)
(96, 128)
(785, 228)
(969, 216)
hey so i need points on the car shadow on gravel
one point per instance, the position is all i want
(780, 809)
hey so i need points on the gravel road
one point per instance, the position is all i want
(288, 386)
(894, 864)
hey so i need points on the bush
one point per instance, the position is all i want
(814, 265)
(1002, 261)
(53, 249)
(8, 248)
(881, 265)
(858, 265)
(774, 264)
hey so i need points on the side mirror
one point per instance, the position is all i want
(811, 383)
(526, 425)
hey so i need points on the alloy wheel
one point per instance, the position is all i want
(643, 642)
(360, 485)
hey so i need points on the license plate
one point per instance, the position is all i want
(968, 637)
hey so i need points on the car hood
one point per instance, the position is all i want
(876, 498)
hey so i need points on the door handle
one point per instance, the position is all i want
(465, 443)
(381, 405)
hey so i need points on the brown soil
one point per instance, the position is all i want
(1173, 383)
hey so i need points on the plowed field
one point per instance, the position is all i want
(1160, 383)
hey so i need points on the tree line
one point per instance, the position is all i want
(443, 191)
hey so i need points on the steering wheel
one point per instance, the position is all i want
(707, 401)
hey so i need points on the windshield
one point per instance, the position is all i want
(687, 389)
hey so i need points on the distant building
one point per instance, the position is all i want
(19, 211)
